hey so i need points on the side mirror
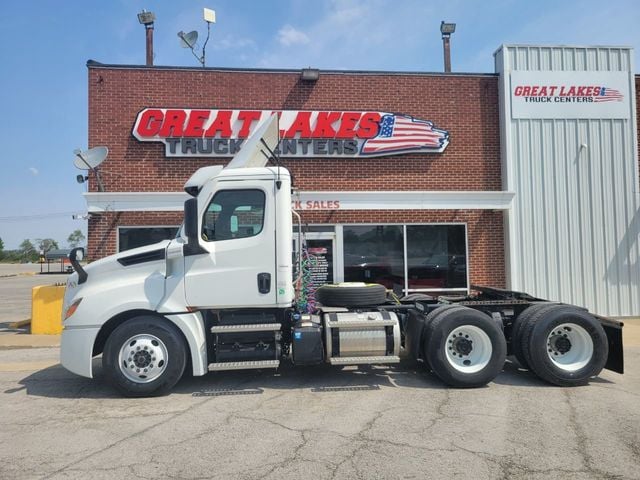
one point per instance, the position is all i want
(75, 255)
(191, 219)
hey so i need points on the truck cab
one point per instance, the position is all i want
(222, 296)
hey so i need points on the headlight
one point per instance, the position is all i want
(72, 308)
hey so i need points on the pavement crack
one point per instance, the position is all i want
(582, 441)
(135, 435)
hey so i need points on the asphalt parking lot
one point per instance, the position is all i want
(320, 423)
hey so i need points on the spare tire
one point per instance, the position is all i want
(412, 297)
(351, 294)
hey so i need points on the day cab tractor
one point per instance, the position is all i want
(222, 296)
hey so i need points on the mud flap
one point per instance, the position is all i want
(613, 329)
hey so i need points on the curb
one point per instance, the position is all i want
(17, 340)
(23, 274)
(20, 323)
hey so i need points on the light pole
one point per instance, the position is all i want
(446, 29)
(147, 18)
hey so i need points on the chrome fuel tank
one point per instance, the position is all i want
(362, 337)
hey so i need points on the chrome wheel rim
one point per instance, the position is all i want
(143, 358)
(569, 347)
(468, 349)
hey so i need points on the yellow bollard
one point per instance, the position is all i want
(46, 309)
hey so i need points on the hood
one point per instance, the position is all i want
(140, 256)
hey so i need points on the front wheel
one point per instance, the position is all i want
(465, 347)
(144, 357)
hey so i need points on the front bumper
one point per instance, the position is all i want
(76, 349)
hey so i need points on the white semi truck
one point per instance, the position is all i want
(222, 296)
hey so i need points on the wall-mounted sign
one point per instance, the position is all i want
(570, 94)
(220, 133)
(316, 205)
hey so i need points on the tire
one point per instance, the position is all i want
(454, 363)
(564, 345)
(426, 334)
(144, 357)
(431, 317)
(516, 332)
(351, 295)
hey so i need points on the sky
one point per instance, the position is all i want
(45, 44)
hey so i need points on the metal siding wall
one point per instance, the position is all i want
(575, 219)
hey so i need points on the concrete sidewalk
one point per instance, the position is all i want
(23, 340)
(631, 332)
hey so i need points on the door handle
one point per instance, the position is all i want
(264, 282)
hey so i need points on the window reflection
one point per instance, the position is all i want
(134, 237)
(374, 254)
(436, 256)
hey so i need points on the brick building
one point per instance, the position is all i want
(439, 213)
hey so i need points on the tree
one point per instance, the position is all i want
(46, 244)
(75, 238)
(1, 249)
(27, 250)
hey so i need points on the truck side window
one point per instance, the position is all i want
(234, 214)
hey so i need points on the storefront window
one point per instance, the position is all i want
(133, 237)
(436, 256)
(374, 254)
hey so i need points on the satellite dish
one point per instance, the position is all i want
(90, 159)
(188, 40)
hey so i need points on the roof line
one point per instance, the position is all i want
(569, 45)
(97, 65)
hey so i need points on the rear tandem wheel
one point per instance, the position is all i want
(464, 347)
(564, 345)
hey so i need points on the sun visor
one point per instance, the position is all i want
(253, 153)
(198, 179)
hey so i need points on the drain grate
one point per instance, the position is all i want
(227, 391)
(355, 388)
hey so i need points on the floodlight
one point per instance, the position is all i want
(447, 28)
(310, 74)
(146, 18)
(209, 15)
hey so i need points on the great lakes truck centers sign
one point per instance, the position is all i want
(570, 94)
(221, 133)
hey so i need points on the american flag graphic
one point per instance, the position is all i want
(402, 133)
(608, 95)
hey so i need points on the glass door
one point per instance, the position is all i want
(321, 250)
